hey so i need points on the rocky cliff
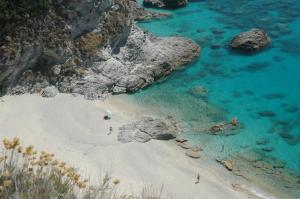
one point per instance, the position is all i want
(89, 47)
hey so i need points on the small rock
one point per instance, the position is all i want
(119, 90)
(196, 148)
(181, 140)
(184, 145)
(50, 91)
(193, 154)
(228, 164)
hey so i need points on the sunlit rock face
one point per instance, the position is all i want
(91, 48)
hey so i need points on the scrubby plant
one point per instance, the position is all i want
(27, 174)
(15, 9)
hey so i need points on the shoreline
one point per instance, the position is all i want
(73, 129)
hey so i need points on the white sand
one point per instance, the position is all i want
(74, 129)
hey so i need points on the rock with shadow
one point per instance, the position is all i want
(148, 128)
(250, 41)
(169, 4)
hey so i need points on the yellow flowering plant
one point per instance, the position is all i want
(31, 175)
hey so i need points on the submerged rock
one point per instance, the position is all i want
(260, 167)
(266, 113)
(199, 92)
(149, 128)
(262, 141)
(250, 41)
(226, 128)
(267, 149)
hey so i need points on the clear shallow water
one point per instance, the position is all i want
(237, 85)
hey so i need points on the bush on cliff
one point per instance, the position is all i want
(16, 9)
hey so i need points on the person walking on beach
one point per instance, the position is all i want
(198, 179)
(110, 130)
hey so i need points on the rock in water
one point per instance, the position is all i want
(153, 3)
(193, 154)
(251, 41)
(149, 128)
(171, 4)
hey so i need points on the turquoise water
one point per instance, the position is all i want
(237, 85)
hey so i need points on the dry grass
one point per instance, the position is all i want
(27, 174)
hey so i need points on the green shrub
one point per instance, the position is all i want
(16, 9)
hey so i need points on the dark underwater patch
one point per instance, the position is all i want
(291, 46)
(255, 67)
(292, 109)
(266, 113)
(274, 96)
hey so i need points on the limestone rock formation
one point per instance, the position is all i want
(251, 41)
(91, 48)
(149, 128)
(171, 4)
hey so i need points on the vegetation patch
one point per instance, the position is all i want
(16, 9)
(28, 174)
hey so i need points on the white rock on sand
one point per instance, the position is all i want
(74, 129)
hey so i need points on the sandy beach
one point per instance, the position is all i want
(74, 129)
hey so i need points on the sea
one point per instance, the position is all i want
(261, 90)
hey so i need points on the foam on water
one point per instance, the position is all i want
(262, 90)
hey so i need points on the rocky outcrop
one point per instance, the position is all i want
(170, 4)
(251, 41)
(264, 169)
(90, 53)
(148, 128)
(41, 42)
(141, 14)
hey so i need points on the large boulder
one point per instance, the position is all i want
(171, 4)
(149, 128)
(251, 41)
